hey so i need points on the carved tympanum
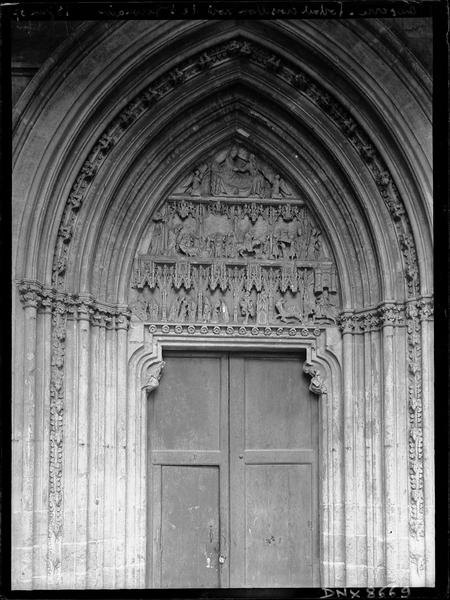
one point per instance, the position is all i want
(234, 244)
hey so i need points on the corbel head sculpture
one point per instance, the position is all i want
(151, 380)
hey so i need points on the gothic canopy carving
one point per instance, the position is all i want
(234, 244)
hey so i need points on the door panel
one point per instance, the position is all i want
(273, 466)
(190, 526)
(188, 417)
(276, 414)
(188, 474)
(278, 518)
(233, 442)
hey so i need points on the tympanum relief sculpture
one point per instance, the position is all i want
(234, 245)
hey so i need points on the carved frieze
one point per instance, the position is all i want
(249, 256)
(32, 293)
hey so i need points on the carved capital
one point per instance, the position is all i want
(123, 320)
(30, 294)
(151, 379)
(390, 314)
(426, 309)
(347, 322)
(317, 385)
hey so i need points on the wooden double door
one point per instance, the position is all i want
(232, 478)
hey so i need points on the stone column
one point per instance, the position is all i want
(427, 333)
(41, 474)
(96, 496)
(84, 354)
(122, 324)
(349, 449)
(23, 455)
(374, 457)
(390, 465)
(360, 476)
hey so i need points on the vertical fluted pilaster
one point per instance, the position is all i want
(23, 523)
(428, 444)
(94, 419)
(69, 470)
(108, 472)
(41, 468)
(379, 570)
(121, 449)
(84, 400)
(359, 460)
(390, 464)
(349, 459)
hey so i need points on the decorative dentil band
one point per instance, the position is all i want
(278, 66)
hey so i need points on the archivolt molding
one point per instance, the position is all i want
(278, 67)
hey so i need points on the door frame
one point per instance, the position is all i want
(320, 364)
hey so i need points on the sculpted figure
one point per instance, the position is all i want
(192, 309)
(325, 306)
(225, 313)
(140, 308)
(257, 179)
(279, 188)
(261, 309)
(174, 231)
(216, 311)
(187, 243)
(247, 307)
(156, 242)
(276, 187)
(288, 313)
(206, 310)
(151, 381)
(173, 312)
(195, 183)
(183, 309)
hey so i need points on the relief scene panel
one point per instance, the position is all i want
(234, 244)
